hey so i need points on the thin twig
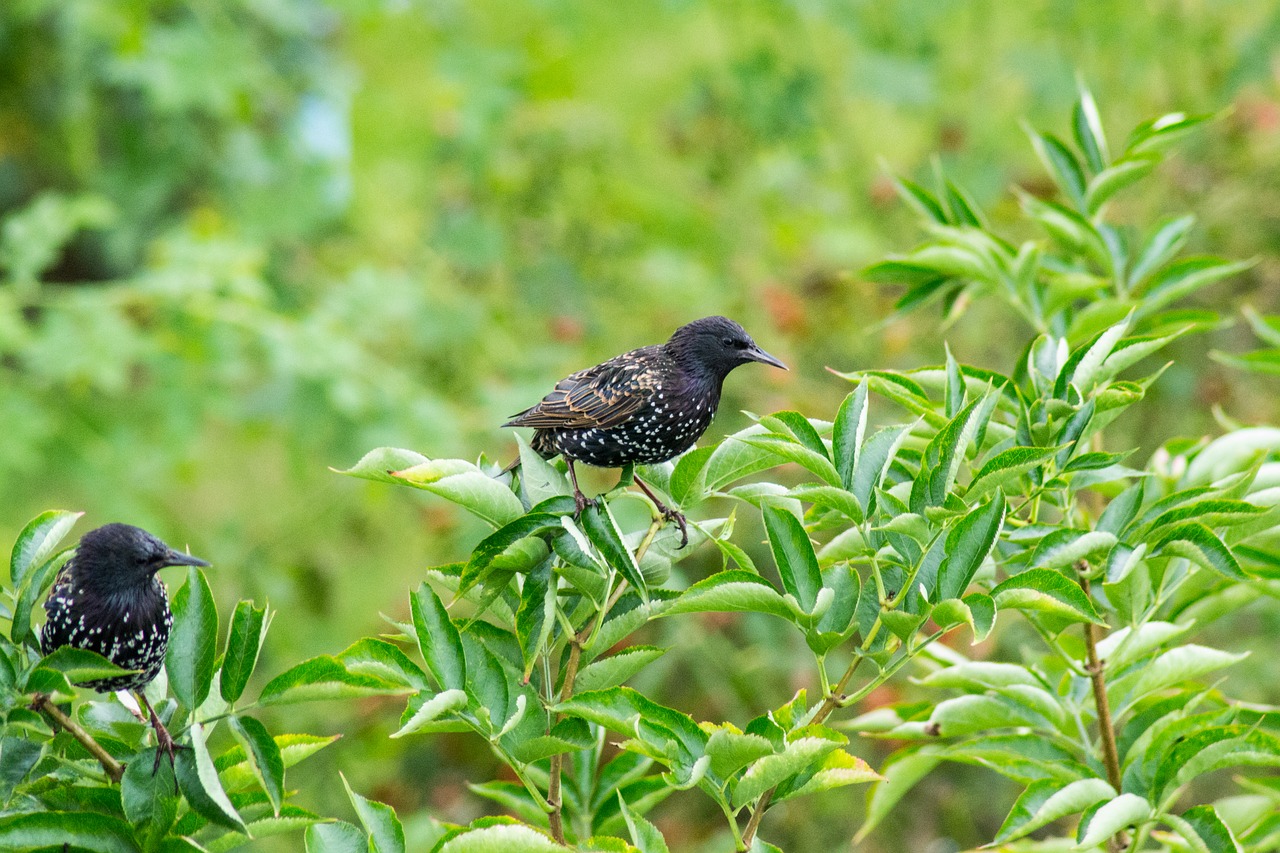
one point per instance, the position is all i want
(1106, 726)
(114, 769)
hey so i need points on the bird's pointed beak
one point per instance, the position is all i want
(757, 354)
(177, 558)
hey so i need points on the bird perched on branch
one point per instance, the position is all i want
(644, 406)
(107, 599)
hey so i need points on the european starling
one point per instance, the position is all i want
(644, 406)
(107, 599)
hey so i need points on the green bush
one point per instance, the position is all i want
(996, 496)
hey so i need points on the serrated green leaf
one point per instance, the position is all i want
(37, 542)
(381, 659)
(264, 758)
(794, 555)
(837, 770)
(967, 545)
(616, 669)
(536, 614)
(1047, 800)
(848, 432)
(830, 497)
(233, 765)
(438, 639)
(568, 735)
(244, 640)
(598, 523)
(620, 709)
(326, 677)
(39, 831)
(380, 463)
(539, 479)
(1067, 546)
(733, 591)
(874, 460)
(431, 710)
(791, 451)
(39, 581)
(336, 837)
(731, 750)
(1007, 465)
(464, 484)
(798, 754)
(493, 547)
(1183, 663)
(1111, 180)
(80, 665)
(644, 835)
(1123, 811)
(385, 834)
(978, 611)
(193, 641)
(734, 459)
(1202, 829)
(198, 779)
(1046, 591)
(1127, 645)
(1197, 543)
(501, 838)
(148, 794)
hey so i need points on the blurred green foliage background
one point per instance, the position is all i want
(245, 240)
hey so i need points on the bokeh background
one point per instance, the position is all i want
(242, 241)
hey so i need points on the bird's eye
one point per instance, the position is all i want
(727, 342)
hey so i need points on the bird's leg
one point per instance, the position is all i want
(668, 513)
(580, 501)
(165, 744)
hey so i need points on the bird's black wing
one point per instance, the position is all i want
(601, 396)
(56, 629)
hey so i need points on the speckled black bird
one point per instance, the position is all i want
(107, 599)
(644, 406)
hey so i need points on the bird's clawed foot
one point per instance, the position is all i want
(678, 517)
(165, 745)
(668, 514)
(581, 502)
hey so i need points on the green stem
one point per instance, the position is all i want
(555, 812)
(888, 672)
(1056, 646)
(738, 845)
(528, 783)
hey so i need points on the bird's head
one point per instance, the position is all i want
(716, 345)
(121, 556)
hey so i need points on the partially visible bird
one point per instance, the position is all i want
(644, 406)
(107, 599)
